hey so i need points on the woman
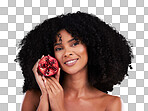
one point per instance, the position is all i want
(93, 57)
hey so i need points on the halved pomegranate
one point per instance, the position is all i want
(48, 66)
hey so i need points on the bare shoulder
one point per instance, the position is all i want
(114, 103)
(108, 102)
(31, 100)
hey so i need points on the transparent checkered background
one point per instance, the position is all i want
(130, 17)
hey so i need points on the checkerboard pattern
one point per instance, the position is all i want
(130, 17)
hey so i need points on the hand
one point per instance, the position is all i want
(39, 78)
(55, 92)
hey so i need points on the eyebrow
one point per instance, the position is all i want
(73, 40)
(68, 41)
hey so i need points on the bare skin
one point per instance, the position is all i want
(100, 102)
(75, 94)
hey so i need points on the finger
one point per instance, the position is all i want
(43, 86)
(57, 76)
(48, 89)
(53, 85)
(42, 56)
(38, 77)
(49, 86)
(35, 67)
(36, 64)
(56, 82)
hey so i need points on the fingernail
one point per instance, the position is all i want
(43, 77)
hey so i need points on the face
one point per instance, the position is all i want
(70, 53)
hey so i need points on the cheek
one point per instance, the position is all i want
(58, 56)
(82, 50)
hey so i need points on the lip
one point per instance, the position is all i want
(71, 64)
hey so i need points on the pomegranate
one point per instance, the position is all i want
(48, 66)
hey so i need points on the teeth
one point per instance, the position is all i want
(70, 61)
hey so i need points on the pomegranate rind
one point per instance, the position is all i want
(48, 66)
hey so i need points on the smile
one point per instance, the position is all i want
(71, 63)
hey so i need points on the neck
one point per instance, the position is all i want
(76, 85)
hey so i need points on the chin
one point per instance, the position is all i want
(70, 71)
(74, 70)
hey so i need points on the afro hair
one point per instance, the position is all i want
(109, 53)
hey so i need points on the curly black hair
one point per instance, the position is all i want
(109, 53)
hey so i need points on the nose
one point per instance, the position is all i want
(68, 53)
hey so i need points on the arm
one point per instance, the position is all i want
(34, 101)
(43, 105)
(114, 104)
(52, 92)
(43, 100)
(55, 92)
(31, 100)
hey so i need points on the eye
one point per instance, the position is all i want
(76, 43)
(58, 49)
